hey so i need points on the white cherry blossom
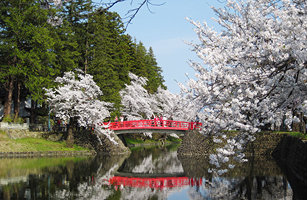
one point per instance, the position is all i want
(77, 98)
(253, 71)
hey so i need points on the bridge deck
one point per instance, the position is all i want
(163, 126)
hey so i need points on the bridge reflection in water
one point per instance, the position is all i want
(148, 173)
(157, 183)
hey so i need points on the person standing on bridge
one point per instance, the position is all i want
(170, 119)
(161, 120)
(156, 120)
(121, 120)
(116, 121)
(59, 124)
(197, 121)
(164, 120)
(152, 120)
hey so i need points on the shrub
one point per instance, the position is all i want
(8, 119)
(19, 120)
(42, 120)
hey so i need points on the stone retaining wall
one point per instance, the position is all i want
(22, 133)
(195, 144)
(7, 125)
(196, 148)
(291, 155)
(264, 144)
(109, 148)
(292, 151)
(87, 139)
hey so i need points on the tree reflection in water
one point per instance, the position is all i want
(148, 173)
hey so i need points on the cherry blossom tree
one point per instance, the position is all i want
(137, 102)
(77, 99)
(254, 70)
(179, 106)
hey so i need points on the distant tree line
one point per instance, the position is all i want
(39, 43)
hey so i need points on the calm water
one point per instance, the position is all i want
(148, 173)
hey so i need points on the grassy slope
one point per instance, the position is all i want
(35, 144)
(295, 134)
(32, 144)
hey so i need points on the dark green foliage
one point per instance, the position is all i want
(155, 78)
(145, 65)
(33, 52)
(25, 40)
(109, 54)
(25, 50)
(76, 14)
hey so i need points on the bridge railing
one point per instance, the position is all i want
(154, 124)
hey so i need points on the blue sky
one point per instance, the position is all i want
(166, 29)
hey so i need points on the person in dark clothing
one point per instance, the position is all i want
(59, 124)
(170, 119)
(152, 120)
(196, 121)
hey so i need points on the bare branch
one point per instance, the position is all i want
(131, 13)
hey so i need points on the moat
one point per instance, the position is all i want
(148, 173)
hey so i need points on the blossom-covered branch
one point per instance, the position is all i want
(77, 99)
(255, 69)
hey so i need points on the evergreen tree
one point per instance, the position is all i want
(26, 48)
(139, 67)
(39, 44)
(77, 14)
(109, 54)
(155, 78)
(145, 65)
(113, 55)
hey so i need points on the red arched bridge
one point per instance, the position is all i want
(157, 126)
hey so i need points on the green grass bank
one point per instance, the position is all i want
(42, 145)
(33, 145)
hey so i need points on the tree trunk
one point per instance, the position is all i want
(16, 100)
(9, 86)
(85, 67)
(70, 134)
(32, 112)
(296, 126)
(302, 124)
